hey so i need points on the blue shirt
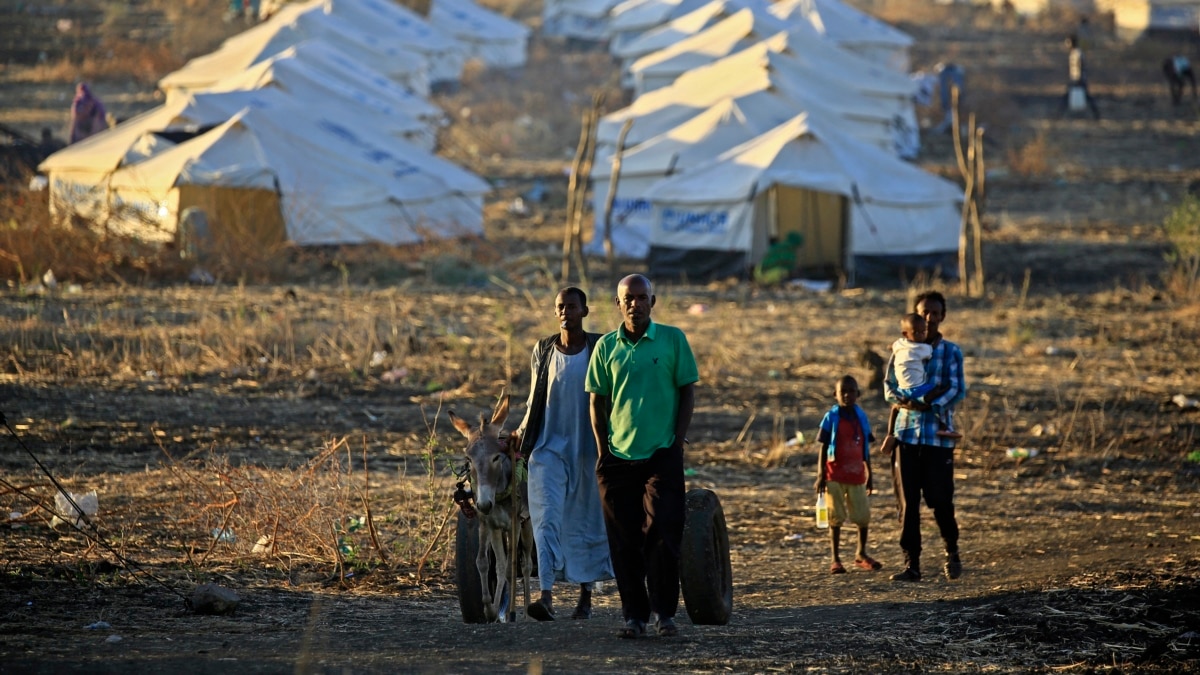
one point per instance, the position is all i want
(916, 427)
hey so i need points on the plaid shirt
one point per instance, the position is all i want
(920, 428)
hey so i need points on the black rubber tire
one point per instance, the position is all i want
(466, 577)
(705, 573)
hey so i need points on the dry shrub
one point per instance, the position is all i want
(1032, 159)
(32, 243)
(322, 512)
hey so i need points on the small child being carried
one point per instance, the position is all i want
(911, 354)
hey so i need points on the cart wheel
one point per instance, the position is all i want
(466, 576)
(705, 574)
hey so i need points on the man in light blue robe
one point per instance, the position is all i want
(556, 437)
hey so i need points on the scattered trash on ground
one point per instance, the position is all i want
(65, 511)
(1184, 402)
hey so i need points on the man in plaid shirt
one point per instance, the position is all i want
(923, 462)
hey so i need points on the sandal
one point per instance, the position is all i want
(868, 563)
(666, 627)
(632, 629)
(837, 568)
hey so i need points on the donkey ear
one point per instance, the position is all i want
(501, 413)
(459, 423)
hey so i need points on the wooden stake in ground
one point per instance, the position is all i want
(576, 189)
(970, 233)
(613, 180)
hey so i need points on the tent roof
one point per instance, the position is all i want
(228, 155)
(684, 26)
(812, 54)
(319, 88)
(641, 15)
(466, 20)
(757, 68)
(394, 24)
(295, 23)
(729, 122)
(722, 38)
(807, 152)
(842, 23)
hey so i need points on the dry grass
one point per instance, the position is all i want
(1033, 159)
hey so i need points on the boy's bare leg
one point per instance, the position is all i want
(835, 540)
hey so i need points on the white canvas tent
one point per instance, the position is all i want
(631, 18)
(371, 194)
(678, 29)
(760, 67)
(582, 20)
(317, 157)
(812, 53)
(390, 24)
(727, 36)
(303, 23)
(858, 209)
(728, 123)
(321, 91)
(852, 29)
(489, 37)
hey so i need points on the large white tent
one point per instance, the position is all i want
(760, 67)
(747, 27)
(305, 137)
(305, 84)
(859, 209)
(304, 23)
(631, 18)
(386, 192)
(852, 29)
(489, 37)
(678, 29)
(392, 25)
(729, 35)
(727, 123)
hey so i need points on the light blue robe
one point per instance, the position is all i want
(564, 498)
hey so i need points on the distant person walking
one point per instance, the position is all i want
(88, 116)
(1077, 95)
(1178, 70)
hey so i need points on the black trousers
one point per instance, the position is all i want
(644, 509)
(929, 471)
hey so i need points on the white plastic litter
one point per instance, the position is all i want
(1184, 402)
(64, 512)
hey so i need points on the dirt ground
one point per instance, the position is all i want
(1082, 558)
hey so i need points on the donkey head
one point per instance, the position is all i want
(491, 466)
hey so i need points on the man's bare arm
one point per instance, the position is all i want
(600, 407)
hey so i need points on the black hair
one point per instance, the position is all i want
(578, 293)
(929, 295)
(911, 319)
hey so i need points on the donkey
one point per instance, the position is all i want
(495, 485)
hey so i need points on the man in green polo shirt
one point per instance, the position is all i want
(642, 380)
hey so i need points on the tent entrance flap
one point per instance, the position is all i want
(821, 218)
(241, 218)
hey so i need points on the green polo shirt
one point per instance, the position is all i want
(642, 380)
